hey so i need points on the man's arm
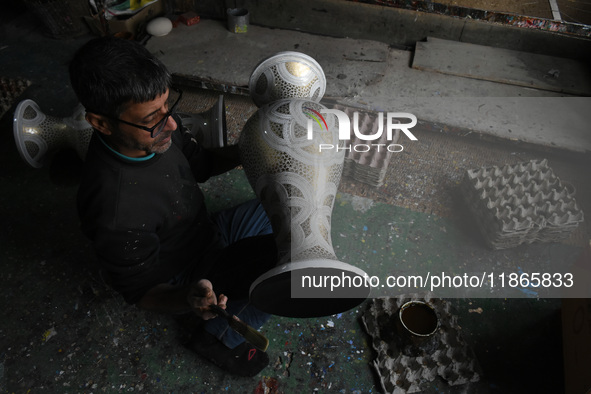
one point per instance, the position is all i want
(209, 162)
(166, 298)
(225, 159)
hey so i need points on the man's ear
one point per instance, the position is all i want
(99, 123)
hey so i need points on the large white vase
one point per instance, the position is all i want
(287, 75)
(297, 185)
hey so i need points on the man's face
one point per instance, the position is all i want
(135, 142)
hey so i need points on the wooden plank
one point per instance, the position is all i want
(504, 66)
(555, 10)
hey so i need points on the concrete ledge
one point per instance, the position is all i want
(400, 27)
(374, 76)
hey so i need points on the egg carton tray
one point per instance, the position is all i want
(367, 161)
(453, 359)
(521, 204)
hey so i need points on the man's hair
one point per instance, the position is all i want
(109, 73)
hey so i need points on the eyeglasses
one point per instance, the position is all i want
(158, 127)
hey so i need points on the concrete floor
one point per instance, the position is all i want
(63, 330)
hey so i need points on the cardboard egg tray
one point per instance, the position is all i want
(453, 360)
(369, 166)
(521, 203)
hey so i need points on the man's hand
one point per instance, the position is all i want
(201, 295)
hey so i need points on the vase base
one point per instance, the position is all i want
(311, 288)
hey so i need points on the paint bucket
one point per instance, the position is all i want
(237, 20)
(416, 326)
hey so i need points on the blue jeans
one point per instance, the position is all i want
(235, 224)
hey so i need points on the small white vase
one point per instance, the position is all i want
(37, 135)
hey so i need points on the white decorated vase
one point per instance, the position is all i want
(287, 75)
(38, 135)
(296, 182)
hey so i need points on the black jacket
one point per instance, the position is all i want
(147, 220)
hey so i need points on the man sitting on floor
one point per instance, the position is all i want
(140, 204)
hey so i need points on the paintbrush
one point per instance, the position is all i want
(251, 335)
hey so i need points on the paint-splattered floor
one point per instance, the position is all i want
(63, 330)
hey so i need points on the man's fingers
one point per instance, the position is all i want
(222, 301)
(203, 288)
(204, 291)
(203, 296)
(206, 313)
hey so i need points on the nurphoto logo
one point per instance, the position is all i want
(344, 123)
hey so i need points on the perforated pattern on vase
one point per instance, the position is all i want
(41, 134)
(295, 181)
(287, 75)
